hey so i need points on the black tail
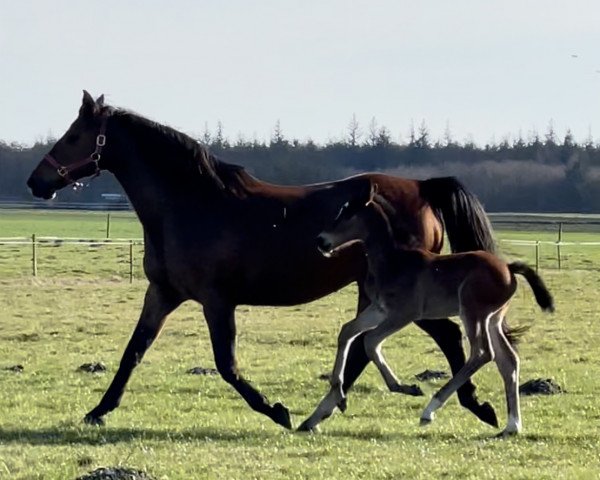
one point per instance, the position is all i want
(514, 334)
(542, 295)
(465, 221)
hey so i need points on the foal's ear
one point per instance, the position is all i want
(100, 101)
(373, 192)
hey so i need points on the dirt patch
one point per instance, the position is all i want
(115, 473)
(15, 368)
(202, 371)
(325, 376)
(540, 386)
(431, 375)
(94, 367)
(26, 337)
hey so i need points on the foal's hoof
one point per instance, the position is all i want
(413, 390)
(507, 433)
(281, 416)
(93, 420)
(306, 427)
(343, 404)
(486, 413)
(423, 422)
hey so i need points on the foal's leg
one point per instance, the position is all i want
(158, 303)
(448, 336)
(481, 353)
(507, 361)
(367, 320)
(357, 359)
(374, 340)
(221, 324)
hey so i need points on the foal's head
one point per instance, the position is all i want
(350, 225)
(76, 154)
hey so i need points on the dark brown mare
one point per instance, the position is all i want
(216, 235)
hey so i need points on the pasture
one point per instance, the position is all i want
(175, 425)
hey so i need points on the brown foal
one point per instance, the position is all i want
(406, 284)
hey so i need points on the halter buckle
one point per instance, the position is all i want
(62, 171)
(101, 140)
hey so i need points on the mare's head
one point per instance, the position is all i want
(349, 226)
(76, 154)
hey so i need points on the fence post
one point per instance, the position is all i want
(537, 255)
(34, 254)
(108, 225)
(130, 261)
(560, 231)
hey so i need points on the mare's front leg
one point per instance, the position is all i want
(367, 320)
(448, 336)
(158, 303)
(220, 317)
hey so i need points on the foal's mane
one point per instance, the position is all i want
(226, 177)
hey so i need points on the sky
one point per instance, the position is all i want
(485, 70)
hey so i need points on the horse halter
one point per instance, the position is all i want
(65, 170)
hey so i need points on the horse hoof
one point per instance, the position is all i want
(487, 414)
(93, 420)
(343, 404)
(306, 427)
(412, 390)
(423, 422)
(507, 433)
(281, 416)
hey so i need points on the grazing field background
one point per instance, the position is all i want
(81, 308)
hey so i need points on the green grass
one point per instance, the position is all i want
(179, 426)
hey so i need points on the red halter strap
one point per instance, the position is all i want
(65, 170)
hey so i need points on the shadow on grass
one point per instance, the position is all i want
(70, 435)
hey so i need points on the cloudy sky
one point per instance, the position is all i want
(488, 69)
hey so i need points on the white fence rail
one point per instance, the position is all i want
(35, 241)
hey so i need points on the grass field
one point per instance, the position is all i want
(178, 426)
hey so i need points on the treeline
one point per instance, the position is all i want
(538, 174)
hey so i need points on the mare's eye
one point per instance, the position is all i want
(72, 138)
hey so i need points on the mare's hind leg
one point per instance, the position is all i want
(507, 362)
(481, 353)
(448, 336)
(373, 342)
(221, 324)
(158, 303)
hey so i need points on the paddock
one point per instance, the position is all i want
(176, 425)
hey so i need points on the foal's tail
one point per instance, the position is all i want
(541, 292)
(464, 218)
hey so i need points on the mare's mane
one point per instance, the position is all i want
(226, 177)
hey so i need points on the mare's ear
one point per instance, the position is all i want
(100, 101)
(87, 104)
